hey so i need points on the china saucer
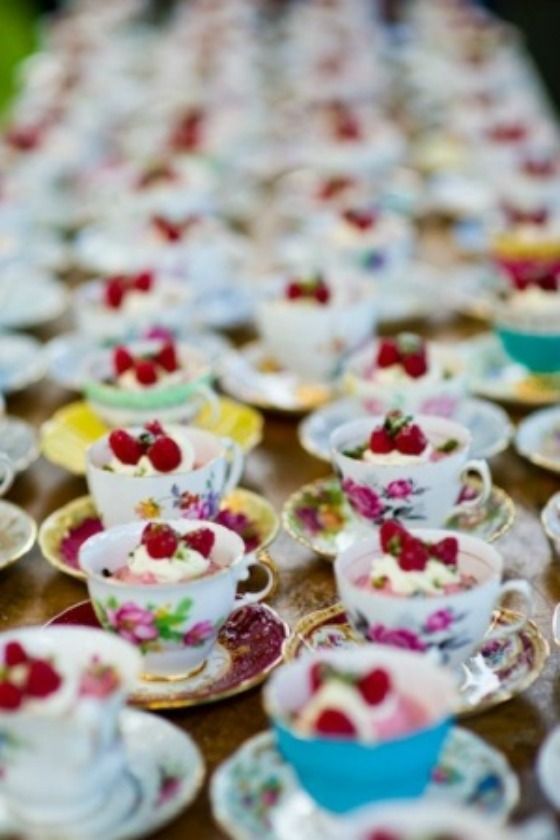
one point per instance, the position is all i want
(475, 291)
(63, 533)
(29, 301)
(494, 375)
(548, 768)
(66, 436)
(255, 784)
(18, 440)
(319, 517)
(488, 423)
(252, 376)
(18, 532)
(550, 518)
(166, 771)
(249, 647)
(498, 671)
(22, 362)
(538, 438)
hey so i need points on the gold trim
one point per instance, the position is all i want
(174, 678)
(28, 544)
(554, 538)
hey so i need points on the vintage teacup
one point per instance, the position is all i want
(174, 625)
(451, 625)
(62, 753)
(192, 493)
(418, 491)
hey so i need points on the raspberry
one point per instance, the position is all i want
(446, 550)
(549, 282)
(187, 137)
(415, 364)
(154, 428)
(316, 676)
(375, 686)
(160, 540)
(333, 187)
(381, 441)
(122, 360)
(164, 454)
(143, 281)
(388, 353)
(125, 447)
(411, 440)
(169, 231)
(360, 219)
(42, 679)
(11, 697)
(167, 357)
(334, 722)
(294, 291)
(414, 555)
(322, 294)
(146, 372)
(382, 834)
(115, 290)
(391, 536)
(14, 654)
(201, 540)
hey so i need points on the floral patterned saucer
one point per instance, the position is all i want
(71, 429)
(492, 374)
(499, 670)
(538, 438)
(319, 516)
(18, 532)
(488, 423)
(249, 647)
(255, 785)
(252, 376)
(62, 534)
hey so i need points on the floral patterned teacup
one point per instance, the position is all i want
(174, 625)
(191, 494)
(422, 492)
(450, 626)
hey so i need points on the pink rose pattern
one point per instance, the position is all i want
(198, 634)
(133, 623)
(398, 500)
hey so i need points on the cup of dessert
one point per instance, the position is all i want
(355, 727)
(407, 373)
(431, 591)
(166, 472)
(131, 384)
(406, 468)
(61, 691)
(125, 303)
(168, 588)
(309, 324)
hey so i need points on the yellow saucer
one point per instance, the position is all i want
(66, 436)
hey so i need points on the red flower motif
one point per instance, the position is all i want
(399, 489)
(364, 500)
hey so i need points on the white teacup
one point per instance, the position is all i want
(419, 492)
(451, 626)
(193, 493)
(174, 625)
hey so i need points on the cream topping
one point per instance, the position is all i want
(437, 575)
(183, 565)
(128, 381)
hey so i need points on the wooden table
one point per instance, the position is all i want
(33, 592)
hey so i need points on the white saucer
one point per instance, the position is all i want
(19, 441)
(548, 768)
(29, 299)
(538, 438)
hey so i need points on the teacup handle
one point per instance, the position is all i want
(556, 624)
(263, 560)
(483, 470)
(517, 587)
(7, 478)
(235, 463)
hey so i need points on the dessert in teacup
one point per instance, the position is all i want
(426, 590)
(61, 691)
(345, 719)
(407, 468)
(309, 322)
(408, 373)
(136, 382)
(162, 471)
(168, 587)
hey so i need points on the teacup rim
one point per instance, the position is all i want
(422, 420)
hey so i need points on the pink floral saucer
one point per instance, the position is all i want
(498, 671)
(249, 647)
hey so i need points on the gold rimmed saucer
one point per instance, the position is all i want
(18, 532)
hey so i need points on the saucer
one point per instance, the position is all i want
(249, 647)
(66, 436)
(548, 768)
(22, 362)
(538, 438)
(252, 376)
(30, 301)
(165, 774)
(63, 533)
(475, 291)
(222, 308)
(498, 671)
(319, 517)
(550, 518)
(18, 532)
(488, 423)
(18, 440)
(255, 783)
(494, 375)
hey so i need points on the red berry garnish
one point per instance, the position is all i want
(144, 281)
(334, 722)
(160, 540)
(155, 428)
(164, 454)
(362, 220)
(316, 676)
(187, 136)
(125, 447)
(375, 686)
(333, 187)
(322, 294)
(388, 353)
(414, 555)
(391, 536)
(411, 440)
(381, 441)
(146, 372)
(122, 360)
(549, 282)
(168, 230)
(294, 291)
(382, 834)
(114, 292)
(42, 679)
(446, 550)
(201, 540)
(14, 654)
(167, 357)
(415, 364)
(11, 697)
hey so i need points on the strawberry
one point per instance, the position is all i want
(125, 447)
(446, 550)
(155, 428)
(146, 372)
(362, 220)
(414, 555)
(144, 281)
(42, 679)
(294, 290)
(375, 686)
(114, 292)
(334, 722)
(391, 535)
(11, 697)
(549, 282)
(168, 230)
(167, 357)
(415, 364)
(388, 353)
(201, 540)
(164, 454)
(316, 676)
(14, 654)
(322, 294)
(160, 540)
(381, 441)
(122, 360)
(411, 440)
(333, 187)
